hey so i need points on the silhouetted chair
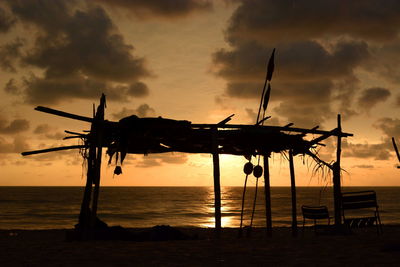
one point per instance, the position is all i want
(315, 213)
(365, 200)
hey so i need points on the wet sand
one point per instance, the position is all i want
(361, 248)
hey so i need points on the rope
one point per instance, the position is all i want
(254, 204)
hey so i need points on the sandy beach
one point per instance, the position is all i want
(49, 248)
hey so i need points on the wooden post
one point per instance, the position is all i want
(293, 189)
(99, 127)
(87, 217)
(217, 185)
(267, 191)
(84, 216)
(336, 176)
(97, 171)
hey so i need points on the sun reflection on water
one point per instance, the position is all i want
(229, 212)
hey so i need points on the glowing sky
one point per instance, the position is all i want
(200, 61)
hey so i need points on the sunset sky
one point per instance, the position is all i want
(201, 61)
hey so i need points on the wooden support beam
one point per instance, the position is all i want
(217, 185)
(98, 128)
(85, 213)
(324, 136)
(267, 128)
(267, 191)
(63, 114)
(27, 153)
(395, 149)
(293, 190)
(337, 192)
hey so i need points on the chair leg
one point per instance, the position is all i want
(378, 221)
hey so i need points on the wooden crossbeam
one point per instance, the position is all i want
(27, 153)
(63, 114)
(267, 127)
(324, 136)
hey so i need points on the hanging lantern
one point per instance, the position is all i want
(117, 170)
(258, 171)
(248, 168)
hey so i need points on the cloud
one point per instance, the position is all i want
(288, 20)
(18, 145)
(45, 90)
(49, 132)
(389, 126)
(9, 53)
(162, 8)
(363, 166)
(306, 76)
(385, 61)
(11, 87)
(13, 127)
(81, 52)
(315, 63)
(304, 116)
(153, 160)
(372, 96)
(6, 21)
(380, 151)
(141, 111)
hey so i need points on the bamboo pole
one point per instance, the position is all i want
(267, 191)
(217, 185)
(293, 190)
(336, 176)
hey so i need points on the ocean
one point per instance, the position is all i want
(58, 207)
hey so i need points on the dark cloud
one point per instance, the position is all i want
(138, 89)
(386, 61)
(143, 110)
(9, 54)
(307, 76)
(6, 21)
(163, 8)
(288, 20)
(389, 126)
(13, 127)
(42, 129)
(304, 63)
(44, 90)
(304, 115)
(11, 87)
(372, 96)
(153, 160)
(380, 151)
(363, 166)
(81, 52)
(315, 62)
(18, 145)
(49, 132)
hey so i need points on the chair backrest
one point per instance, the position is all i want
(315, 212)
(359, 200)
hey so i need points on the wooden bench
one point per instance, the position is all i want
(365, 200)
